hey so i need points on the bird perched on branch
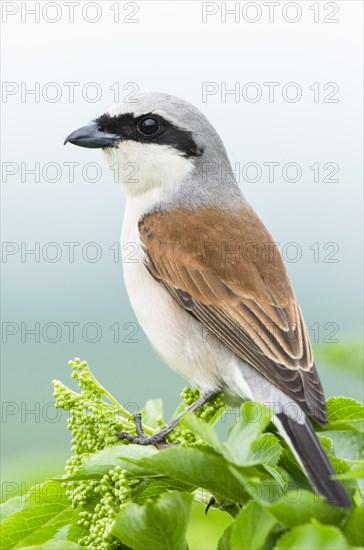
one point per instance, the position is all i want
(209, 286)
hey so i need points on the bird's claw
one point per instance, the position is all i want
(158, 439)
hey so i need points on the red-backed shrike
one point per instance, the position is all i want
(210, 288)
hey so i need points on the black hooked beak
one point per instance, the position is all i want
(90, 136)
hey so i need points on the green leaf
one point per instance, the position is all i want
(49, 529)
(259, 485)
(345, 414)
(289, 465)
(346, 444)
(152, 488)
(251, 527)
(238, 449)
(312, 536)
(298, 507)
(354, 528)
(160, 524)
(200, 468)
(45, 512)
(224, 542)
(266, 450)
(100, 463)
(11, 506)
(350, 443)
(202, 429)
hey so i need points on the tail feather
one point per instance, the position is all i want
(314, 460)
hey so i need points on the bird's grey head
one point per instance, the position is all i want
(164, 138)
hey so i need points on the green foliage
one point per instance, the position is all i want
(313, 535)
(251, 527)
(45, 512)
(118, 495)
(160, 523)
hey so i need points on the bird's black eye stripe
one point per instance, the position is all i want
(140, 128)
(149, 128)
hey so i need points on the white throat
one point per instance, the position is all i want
(136, 206)
(141, 167)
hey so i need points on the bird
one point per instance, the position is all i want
(207, 282)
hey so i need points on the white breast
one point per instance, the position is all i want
(182, 341)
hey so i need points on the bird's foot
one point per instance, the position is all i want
(158, 439)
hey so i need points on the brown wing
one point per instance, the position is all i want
(225, 269)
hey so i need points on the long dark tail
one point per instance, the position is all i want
(315, 461)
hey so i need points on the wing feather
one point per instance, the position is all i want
(247, 302)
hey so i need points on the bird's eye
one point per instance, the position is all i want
(148, 126)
